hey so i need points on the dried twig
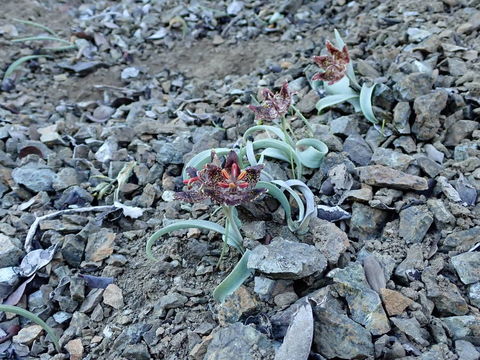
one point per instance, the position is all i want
(34, 226)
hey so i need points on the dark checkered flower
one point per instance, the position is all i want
(274, 106)
(227, 185)
(334, 66)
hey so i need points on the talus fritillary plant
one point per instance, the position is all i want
(308, 152)
(228, 186)
(339, 81)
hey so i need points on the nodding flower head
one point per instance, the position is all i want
(334, 66)
(225, 185)
(274, 106)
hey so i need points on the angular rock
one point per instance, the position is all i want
(10, 254)
(378, 175)
(364, 303)
(136, 352)
(428, 108)
(357, 149)
(466, 350)
(35, 177)
(308, 102)
(461, 327)
(467, 266)
(73, 248)
(412, 86)
(113, 296)
(345, 125)
(286, 259)
(414, 223)
(75, 349)
(366, 222)
(430, 167)
(9, 278)
(239, 304)
(28, 334)
(337, 336)
(395, 303)
(401, 117)
(459, 131)
(409, 269)
(461, 240)
(474, 294)
(440, 213)
(391, 158)
(412, 328)
(171, 301)
(243, 341)
(329, 239)
(99, 245)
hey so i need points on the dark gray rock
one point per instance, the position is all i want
(459, 131)
(35, 177)
(241, 341)
(441, 214)
(467, 266)
(366, 222)
(401, 117)
(171, 301)
(412, 86)
(287, 259)
(345, 125)
(391, 158)
(414, 223)
(308, 102)
(74, 195)
(409, 269)
(430, 167)
(338, 336)
(136, 352)
(10, 254)
(65, 178)
(364, 303)
(378, 175)
(73, 248)
(357, 149)
(255, 230)
(412, 328)
(461, 240)
(427, 109)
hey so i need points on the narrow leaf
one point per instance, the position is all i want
(278, 194)
(285, 186)
(179, 225)
(13, 66)
(232, 282)
(40, 26)
(41, 38)
(332, 100)
(309, 197)
(366, 102)
(32, 317)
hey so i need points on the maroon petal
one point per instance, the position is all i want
(265, 112)
(232, 158)
(190, 196)
(323, 61)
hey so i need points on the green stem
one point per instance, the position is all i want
(231, 225)
(305, 121)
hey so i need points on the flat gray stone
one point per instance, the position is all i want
(459, 327)
(414, 223)
(378, 175)
(10, 254)
(467, 266)
(286, 259)
(391, 158)
(366, 222)
(34, 177)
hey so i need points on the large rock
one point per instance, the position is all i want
(412, 328)
(467, 266)
(364, 303)
(35, 177)
(461, 240)
(412, 86)
(459, 131)
(10, 254)
(241, 342)
(99, 245)
(286, 259)
(428, 108)
(338, 336)
(329, 239)
(357, 149)
(414, 223)
(378, 175)
(460, 327)
(391, 158)
(366, 222)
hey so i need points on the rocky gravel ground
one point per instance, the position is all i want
(392, 273)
